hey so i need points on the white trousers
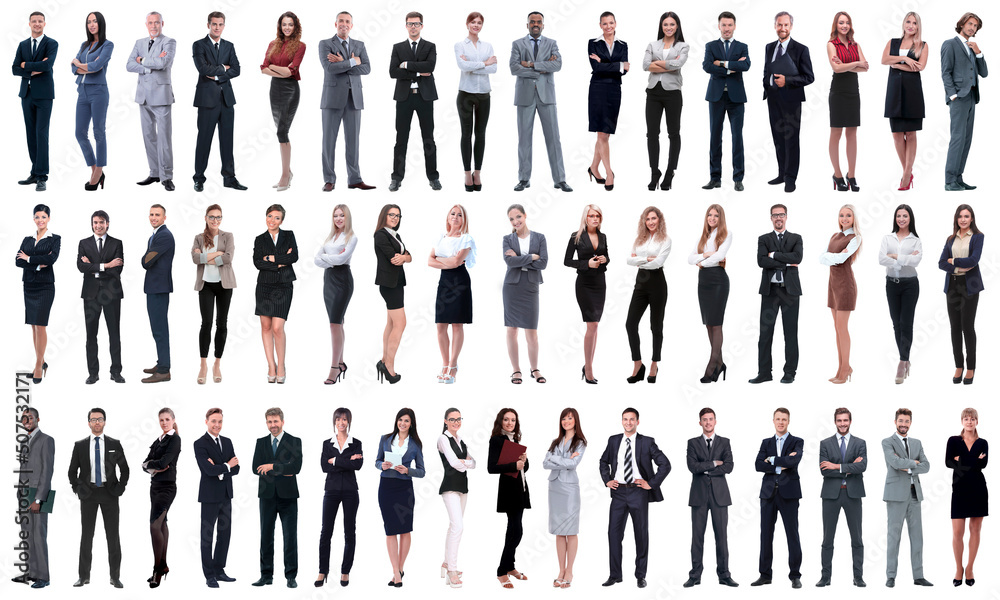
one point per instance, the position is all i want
(454, 503)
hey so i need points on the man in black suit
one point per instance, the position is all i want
(98, 485)
(843, 488)
(626, 456)
(778, 459)
(158, 285)
(33, 64)
(100, 257)
(412, 66)
(216, 62)
(726, 60)
(778, 255)
(218, 463)
(710, 459)
(787, 70)
(277, 459)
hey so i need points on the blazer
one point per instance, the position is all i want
(960, 70)
(163, 455)
(107, 283)
(46, 252)
(852, 472)
(561, 465)
(40, 86)
(268, 272)
(585, 251)
(211, 488)
(708, 481)
(422, 62)
(609, 70)
(788, 480)
(512, 492)
(41, 454)
(386, 273)
(224, 262)
(515, 264)
(413, 455)
(646, 454)
(787, 254)
(157, 261)
(673, 58)
(538, 78)
(340, 476)
(794, 84)
(153, 86)
(973, 278)
(214, 88)
(113, 460)
(281, 481)
(97, 74)
(341, 80)
(897, 482)
(721, 78)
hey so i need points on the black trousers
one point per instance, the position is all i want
(157, 306)
(628, 502)
(720, 524)
(108, 503)
(779, 300)
(404, 118)
(112, 309)
(788, 508)
(650, 290)
(288, 510)
(224, 118)
(786, 119)
(210, 297)
(658, 102)
(510, 541)
(214, 563)
(331, 503)
(37, 113)
(902, 295)
(473, 114)
(962, 315)
(831, 515)
(717, 112)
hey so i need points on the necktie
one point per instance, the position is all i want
(149, 244)
(34, 47)
(906, 444)
(216, 46)
(628, 461)
(781, 443)
(843, 456)
(414, 46)
(97, 462)
(100, 246)
(343, 43)
(727, 49)
(709, 440)
(781, 51)
(274, 446)
(218, 442)
(150, 46)
(535, 55)
(781, 237)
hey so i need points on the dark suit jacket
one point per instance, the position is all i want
(512, 493)
(211, 92)
(279, 482)
(79, 467)
(647, 453)
(850, 471)
(960, 70)
(609, 69)
(211, 488)
(421, 62)
(794, 84)
(341, 474)
(585, 251)
(789, 253)
(536, 245)
(707, 479)
(973, 278)
(157, 261)
(110, 280)
(163, 455)
(721, 78)
(788, 480)
(386, 273)
(45, 252)
(41, 85)
(268, 272)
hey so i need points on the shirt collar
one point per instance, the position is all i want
(848, 231)
(105, 237)
(410, 42)
(213, 41)
(724, 40)
(781, 438)
(350, 440)
(157, 229)
(171, 432)
(39, 38)
(782, 232)
(48, 233)
(846, 437)
(785, 43)
(454, 437)
(94, 437)
(600, 38)
(628, 437)
(900, 436)
(529, 38)
(215, 438)
(966, 234)
(280, 435)
(340, 39)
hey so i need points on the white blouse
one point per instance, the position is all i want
(335, 252)
(838, 258)
(696, 258)
(659, 249)
(395, 236)
(905, 265)
(448, 247)
(525, 246)
(211, 273)
(475, 76)
(444, 447)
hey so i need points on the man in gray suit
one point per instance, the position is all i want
(843, 489)
(36, 468)
(344, 61)
(962, 64)
(533, 60)
(904, 463)
(151, 59)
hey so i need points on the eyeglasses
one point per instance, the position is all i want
(454, 420)
(97, 420)
(212, 218)
(393, 216)
(778, 215)
(412, 24)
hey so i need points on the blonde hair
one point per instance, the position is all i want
(643, 235)
(465, 220)
(918, 44)
(583, 220)
(348, 224)
(721, 234)
(854, 225)
(970, 412)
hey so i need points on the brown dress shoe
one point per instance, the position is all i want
(327, 187)
(361, 185)
(157, 377)
(150, 370)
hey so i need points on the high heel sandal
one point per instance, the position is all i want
(902, 371)
(639, 375)
(538, 379)
(667, 182)
(322, 580)
(507, 585)
(203, 378)
(612, 186)
(583, 375)
(343, 370)
(441, 376)
(517, 575)
(331, 380)
(449, 378)
(854, 184)
(653, 181)
(216, 374)
(347, 582)
(453, 584)
(593, 177)
(280, 378)
(839, 184)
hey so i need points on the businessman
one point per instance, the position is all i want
(778, 459)
(412, 66)
(779, 253)
(36, 467)
(98, 474)
(843, 489)
(962, 64)
(217, 64)
(100, 257)
(904, 463)
(533, 60)
(218, 464)
(33, 64)
(277, 459)
(627, 470)
(725, 61)
(151, 59)
(158, 285)
(710, 459)
(787, 70)
(344, 61)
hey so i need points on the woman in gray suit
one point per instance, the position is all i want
(526, 255)
(563, 457)
(214, 281)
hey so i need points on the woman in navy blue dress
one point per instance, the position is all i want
(37, 254)
(608, 62)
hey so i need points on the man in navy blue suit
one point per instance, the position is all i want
(218, 464)
(159, 283)
(726, 60)
(33, 64)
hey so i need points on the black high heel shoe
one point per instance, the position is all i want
(957, 380)
(667, 182)
(93, 187)
(722, 370)
(639, 375)
(612, 186)
(343, 370)
(956, 582)
(593, 177)
(654, 179)
(347, 582)
(320, 582)
(839, 184)
(710, 377)
(384, 374)
(853, 183)
(970, 582)
(583, 375)
(967, 381)
(652, 378)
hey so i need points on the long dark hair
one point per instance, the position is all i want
(578, 437)
(679, 36)
(452, 409)
(498, 424)
(383, 219)
(413, 426)
(913, 221)
(102, 34)
(207, 236)
(972, 226)
(293, 40)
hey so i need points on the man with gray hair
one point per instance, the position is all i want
(151, 58)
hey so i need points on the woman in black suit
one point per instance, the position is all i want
(161, 464)
(274, 252)
(340, 459)
(512, 492)
(390, 279)
(608, 62)
(591, 262)
(968, 455)
(37, 254)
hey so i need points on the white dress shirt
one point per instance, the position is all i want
(651, 247)
(475, 75)
(838, 258)
(619, 474)
(696, 257)
(395, 236)
(905, 265)
(444, 447)
(336, 252)
(611, 50)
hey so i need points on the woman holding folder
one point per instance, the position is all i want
(400, 459)
(508, 458)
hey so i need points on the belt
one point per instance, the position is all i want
(778, 283)
(628, 485)
(843, 486)
(892, 279)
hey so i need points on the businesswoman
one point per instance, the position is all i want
(968, 455)
(391, 254)
(526, 255)
(214, 281)
(454, 491)
(161, 464)
(338, 283)
(564, 456)
(608, 62)
(454, 254)
(340, 458)
(92, 97)
(906, 57)
(962, 283)
(713, 284)
(649, 251)
(900, 254)
(274, 253)
(590, 247)
(663, 60)
(512, 491)
(842, 291)
(37, 255)
(400, 458)
(476, 62)
(846, 60)
(281, 63)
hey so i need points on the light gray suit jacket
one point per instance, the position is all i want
(154, 86)
(536, 245)
(960, 70)
(561, 463)
(897, 482)
(341, 77)
(41, 455)
(539, 78)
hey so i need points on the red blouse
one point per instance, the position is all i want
(280, 59)
(846, 53)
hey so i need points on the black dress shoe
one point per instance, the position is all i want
(738, 186)
(262, 581)
(860, 582)
(199, 186)
(81, 582)
(524, 183)
(611, 581)
(762, 580)
(787, 378)
(23, 578)
(965, 185)
(211, 583)
(922, 582)
(823, 582)
(148, 181)
(291, 583)
(32, 179)
(970, 582)
(168, 185)
(890, 582)
(777, 180)
(761, 378)
(234, 184)
(40, 186)
(394, 185)
(92, 380)
(117, 378)
(40, 583)
(692, 581)
(563, 186)
(789, 187)
(640, 582)
(435, 184)
(728, 581)
(956, 582)
(117, 583)
(796, 583)
(223, 577)
(711, 185)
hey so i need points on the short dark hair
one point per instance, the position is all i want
(42, 208)
(33, 410)
(535, 12)
(842, 411)
(965, 19)
(275, 207)
(344, 12)
(100, 214)
(342, 412)
(726, 15)
(212, 411)
(159, 206)
(414, 15)
(705, 411)
(97, 410)
(781, 409)
(781, 206)
(37, 14)
(904, 411)
(608, 13)
(631, 410)
(216, 15)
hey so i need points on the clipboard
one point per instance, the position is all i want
(509, 454)
(394, 458)
(48, 504)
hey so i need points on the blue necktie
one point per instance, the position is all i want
(727, 50)
(34, 47)
(843, 456)
(274, 446)
(149, 244)
(97, 462)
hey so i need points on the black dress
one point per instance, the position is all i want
(274, 282)
(969, 496)
(904, 95)
(604, 100)
(39, 284)
(163, 486)
(591, 287)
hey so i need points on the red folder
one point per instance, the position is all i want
(510, 453)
